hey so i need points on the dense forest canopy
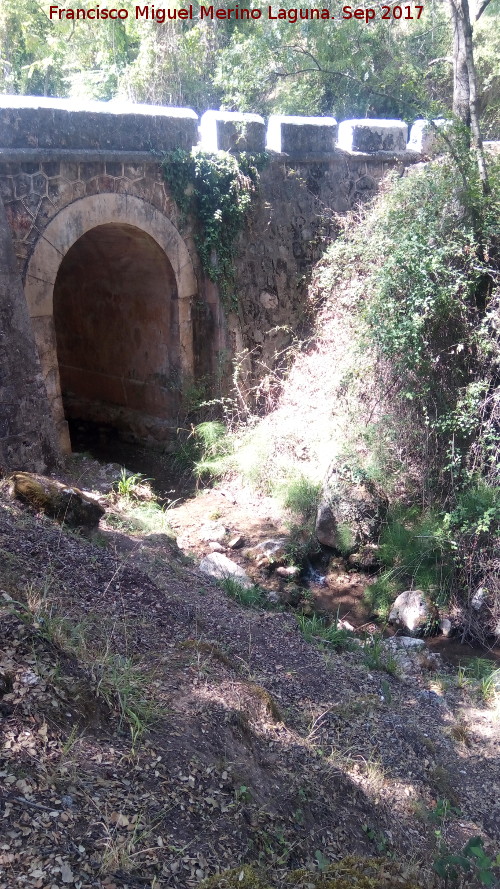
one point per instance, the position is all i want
(345, 67)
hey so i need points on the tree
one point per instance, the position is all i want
(465, 94)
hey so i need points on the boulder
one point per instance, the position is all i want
(366, 558)
(219, 566)
(268, 553)
(413, 612)
(350, 512)
(68, 505)
(326, 526)
(215, 547)
(405, 642)
(288, 571)
(212, 532)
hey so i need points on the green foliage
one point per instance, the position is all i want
(300, 494)
(426, 254)
(476, 511)
(376, 657)
(316, 629)
(249, 596)
(417, 553)
(471, 861)
(380, 594)
(206, 450)
(128, 482)
(139, 517)
(216, 189)
(483, 676)
(124, 685)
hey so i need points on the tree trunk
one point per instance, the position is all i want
(477, 139)
(461, 106)
(465, 101)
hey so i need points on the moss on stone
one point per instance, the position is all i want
(267, 700)
(356, 873)
(350, 873)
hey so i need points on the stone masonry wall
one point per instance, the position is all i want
(55, 158)
(289, 226)
(26, 432)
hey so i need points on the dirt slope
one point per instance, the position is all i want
(235, 741)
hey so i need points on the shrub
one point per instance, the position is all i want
(417, 553)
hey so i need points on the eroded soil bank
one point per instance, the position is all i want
(154, 730)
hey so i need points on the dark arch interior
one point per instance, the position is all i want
(117, 332)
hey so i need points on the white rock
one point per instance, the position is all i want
(268, 552)
(218, 565)
(215, 547)
(287, 570)
(406, 642)
(478, 598)
(212, 531)
(410, 610)
(369, 135)
(268, 300)
(423, 135)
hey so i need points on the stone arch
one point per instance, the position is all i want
(61, 233)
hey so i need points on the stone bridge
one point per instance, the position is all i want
(118, 319)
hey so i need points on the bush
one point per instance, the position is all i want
(426, 265)
(217, 189)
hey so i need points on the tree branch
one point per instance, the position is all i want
(481, 9)
(319, 70)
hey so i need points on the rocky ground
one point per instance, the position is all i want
(153, 730)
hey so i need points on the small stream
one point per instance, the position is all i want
(169, 483)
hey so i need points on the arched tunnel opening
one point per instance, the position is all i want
(117, 333)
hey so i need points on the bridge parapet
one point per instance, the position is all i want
(28, 122)
(33, 128)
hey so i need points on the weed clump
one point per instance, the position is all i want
(249, 596)
(208, 648)
(316, 629)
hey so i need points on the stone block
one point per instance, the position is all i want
(298, 135)
(36, 122)
(231, 131)
(372, 135)
(423, 136)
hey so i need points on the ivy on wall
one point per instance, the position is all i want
(216, 189)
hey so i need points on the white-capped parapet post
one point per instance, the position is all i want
(232, 131)
(301, 135)
(33, 122)
(368, 136)
(424, 135)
